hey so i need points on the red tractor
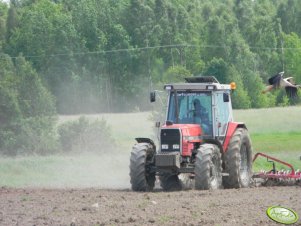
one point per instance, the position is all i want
(199, 140)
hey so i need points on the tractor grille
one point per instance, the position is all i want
(170, 140)
(168, 160)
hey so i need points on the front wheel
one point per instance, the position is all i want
(142, 178)
(238, 160)
(208, 168)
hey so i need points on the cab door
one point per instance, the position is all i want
(223, 113)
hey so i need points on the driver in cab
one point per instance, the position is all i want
(200, 115)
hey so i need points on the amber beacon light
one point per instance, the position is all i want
(233, 85)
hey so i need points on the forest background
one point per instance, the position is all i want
(104, 56)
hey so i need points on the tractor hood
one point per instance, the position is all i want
(190, 132)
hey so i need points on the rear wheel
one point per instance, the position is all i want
(238, 160)
(142, 179)
(170, 182)
(208, 168)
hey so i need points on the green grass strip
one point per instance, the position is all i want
(284, 146)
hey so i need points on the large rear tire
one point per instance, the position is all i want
(208, 168)
(238, 160)
(142, 179)
(170, 182)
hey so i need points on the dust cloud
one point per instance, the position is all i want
(110, 171)
(88, 170)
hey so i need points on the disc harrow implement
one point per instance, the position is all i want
(275, 177)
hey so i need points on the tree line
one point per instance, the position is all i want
(88, 56)
(98, 56)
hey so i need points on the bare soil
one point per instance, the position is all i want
(92, 206)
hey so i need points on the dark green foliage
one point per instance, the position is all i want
(240, 97)
(10, 117)
(175, 74)
(219, 69)
(102, 56)
(83, 135)
(3, 27)
(27, 112)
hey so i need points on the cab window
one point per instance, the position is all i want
(193, 108)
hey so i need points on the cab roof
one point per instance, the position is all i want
(201, 79)
(205, 83)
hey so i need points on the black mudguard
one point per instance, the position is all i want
(145, 140)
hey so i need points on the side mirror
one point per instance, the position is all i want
(158, 124)
(226, 97)
(152, 96)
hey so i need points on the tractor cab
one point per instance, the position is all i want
(202, 101)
